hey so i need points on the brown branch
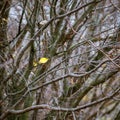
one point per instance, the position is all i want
(41, 30)
(72, 75)
(58, 79)
(77, 9)
(114, 5)
(17, 62)
(90, 42)
(64, 15)
(45, 106)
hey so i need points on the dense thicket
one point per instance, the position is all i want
(59, 59)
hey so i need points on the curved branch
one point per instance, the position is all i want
(48, 107)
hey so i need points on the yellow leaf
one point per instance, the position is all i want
(85, 98)
(4, 19)
(34, 64)
(43, 60)
(104, 65)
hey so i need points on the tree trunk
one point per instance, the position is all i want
(4, 11)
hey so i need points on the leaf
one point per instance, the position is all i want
(43, 60)
(43, 22)
(85, 98)
(4, 19)
(104, 65)
(34, 64)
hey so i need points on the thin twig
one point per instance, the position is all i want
(45, 106)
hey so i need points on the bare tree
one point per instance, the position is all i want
(59, 60)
